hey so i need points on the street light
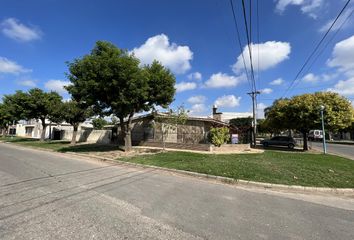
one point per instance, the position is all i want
(323, 130)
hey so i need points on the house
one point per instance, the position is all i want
(33, 128)
(148, 129)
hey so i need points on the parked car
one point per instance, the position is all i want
(315, 135)
(279, 141)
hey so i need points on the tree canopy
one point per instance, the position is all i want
(5, 117)
(302, 113)
(242, 123)
(34, 104)
(112, 80)
(73, 113)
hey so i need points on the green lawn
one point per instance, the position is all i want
(273, 167)
(53, 145)
(291, 168)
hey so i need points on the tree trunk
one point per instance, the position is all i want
(121, 134)
(305, 147)
(163, 136)
(127, 140)
(73, 140)
(128, 134)
(44, 126)
(289, 133)
(330, 137)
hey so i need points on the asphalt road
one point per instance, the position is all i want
(51, 196)
(336, 149)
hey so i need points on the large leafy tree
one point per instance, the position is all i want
(15, 105)
(12, 110)
(276, 115)
(35, 104)
(73, 113)
(6, 118)
(112, 80)
(41, 105)
(302, 113)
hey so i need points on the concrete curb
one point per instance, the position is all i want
(227, 180)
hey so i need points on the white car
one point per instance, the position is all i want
(315, 135)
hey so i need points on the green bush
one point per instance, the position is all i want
(219, 135)
(99, 123)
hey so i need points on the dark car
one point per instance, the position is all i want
(279, 141)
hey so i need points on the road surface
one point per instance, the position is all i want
(51, 196)
(336, 149)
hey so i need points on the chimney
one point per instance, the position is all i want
(216, 115)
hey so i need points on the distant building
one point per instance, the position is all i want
(33, 128)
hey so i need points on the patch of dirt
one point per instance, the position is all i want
(120, 154)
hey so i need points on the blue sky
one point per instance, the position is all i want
(195, 39)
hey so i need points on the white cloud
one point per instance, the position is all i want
(341, 21)
(158, 47)
(266, 91)
(260, 110)
(310, 78)
(196, 99)
(270, 54)
(343, 57)
(184, 86)
(309, 7)
(227, 101)
(344, 87)
(8, 66)
(219, 80)
(195, 76)
(278, 81)
(327, 77)
(198, 108)
(27, 83)
(56, 85)
(12, 28)
(283, 4)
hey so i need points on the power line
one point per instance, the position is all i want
(258, 43)
(239, 42)
(326, 45)
(254, 92)
(248, 43)
(316, 48)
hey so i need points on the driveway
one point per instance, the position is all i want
(336, 149)
(54, 196)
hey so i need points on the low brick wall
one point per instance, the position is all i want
(230, 148)
(227, 148)
(180, 146)
(89, 135)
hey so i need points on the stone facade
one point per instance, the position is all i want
(193, 134)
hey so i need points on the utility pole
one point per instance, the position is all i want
(254, 127)
(322, 108)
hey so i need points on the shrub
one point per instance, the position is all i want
(219, 135)
(98, 123)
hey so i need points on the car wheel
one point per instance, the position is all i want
(291, 146)
(265, 144)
